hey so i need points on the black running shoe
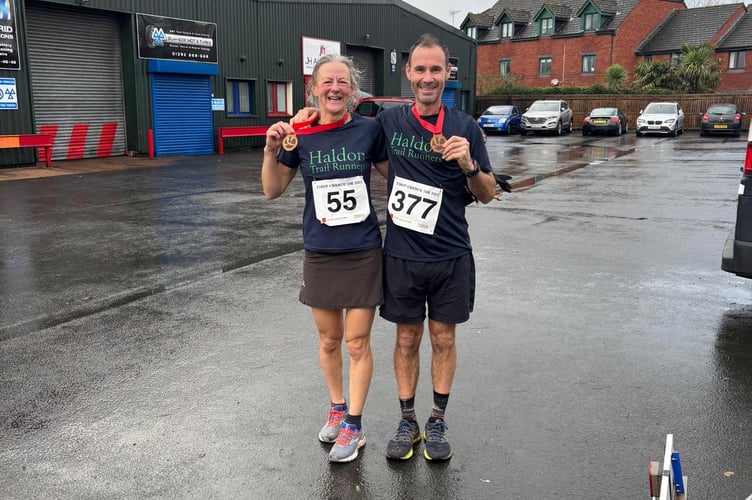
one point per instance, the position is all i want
(436, 444)
(400, 447)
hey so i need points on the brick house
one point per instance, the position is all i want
(573, 42)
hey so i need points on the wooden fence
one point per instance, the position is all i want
(694, 105)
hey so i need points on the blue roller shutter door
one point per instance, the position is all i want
(182, 114)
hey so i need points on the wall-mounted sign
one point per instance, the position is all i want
(8, 95)
(8, 39)
(454, 73)
(313, 48)
(176, 39)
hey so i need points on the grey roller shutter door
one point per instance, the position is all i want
(364, 62)
(77, 81)
(405, 88)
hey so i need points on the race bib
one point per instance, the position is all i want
(341, 201)
(415, 206)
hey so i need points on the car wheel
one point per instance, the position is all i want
(523, 131)
(626, 127)
(703, 133)
(674, 132)
(559, 128)
(737, 133)
(585, 132)
(638, 133)
(618, 130)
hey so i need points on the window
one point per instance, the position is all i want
(736, 60)
(504, 65)
(507, 30)
(648, 59)
(588, 63)
(544, 66)
(591, 21)
(279, 98)
(546, 25)
(239, 97)
(675, 59)
(472, 32)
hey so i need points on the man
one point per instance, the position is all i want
(434, 154)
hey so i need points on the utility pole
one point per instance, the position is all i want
(452, 13)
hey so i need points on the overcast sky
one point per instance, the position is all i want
(443, 9)
(447, 9)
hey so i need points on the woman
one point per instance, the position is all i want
(342, 263)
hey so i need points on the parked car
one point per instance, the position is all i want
(721, 119)
(372, 106)
(661, 118)
(504, 119)
(605, 120)
(547, 116)
(737, 252)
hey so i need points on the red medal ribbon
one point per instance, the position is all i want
(434, 129)
(298, 127)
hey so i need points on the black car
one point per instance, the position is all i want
(605, 121)
(737, 252)
(721, 119)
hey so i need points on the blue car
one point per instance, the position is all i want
(504, 119)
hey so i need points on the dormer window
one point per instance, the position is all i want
(507, 30)
(547, 26)
(472, 32)
(591, 22)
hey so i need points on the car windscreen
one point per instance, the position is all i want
(545, 106)
(722, 110)
(498, 110)
(660, 109)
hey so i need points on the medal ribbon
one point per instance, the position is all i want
(298, 127)
(434, 129)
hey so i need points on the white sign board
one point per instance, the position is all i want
(8, 94)
(313, 48)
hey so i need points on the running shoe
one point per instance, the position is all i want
(436, 445)
(400, 447)
(328, 433)
(349, 441)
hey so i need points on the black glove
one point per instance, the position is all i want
(501, 185)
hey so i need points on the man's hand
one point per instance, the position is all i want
(458, 148)
(304, 115)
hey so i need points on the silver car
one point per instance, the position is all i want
(661, 118)
(547, 116)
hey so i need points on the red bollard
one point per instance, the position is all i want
(150, 140)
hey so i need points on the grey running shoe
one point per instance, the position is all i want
(328, 433)
(436, 444)
(400, 447)
(349, 441)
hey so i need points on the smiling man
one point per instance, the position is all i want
(434, 153)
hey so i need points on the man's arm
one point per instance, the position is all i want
(481, 184)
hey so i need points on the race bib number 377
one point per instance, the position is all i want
(414, 206)
(341, 201)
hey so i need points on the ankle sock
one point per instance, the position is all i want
(407, 406)
(439, 406)
(354, 420)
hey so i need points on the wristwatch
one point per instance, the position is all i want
(474, 171)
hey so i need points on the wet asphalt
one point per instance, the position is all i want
(151, 344)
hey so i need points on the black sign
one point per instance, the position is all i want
(8, 36)
(175, 39)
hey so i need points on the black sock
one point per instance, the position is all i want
(439, 406)
(353, 420)
(342, 405)
(408, 408)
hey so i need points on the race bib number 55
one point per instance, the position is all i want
(414, 206)
(341, 201)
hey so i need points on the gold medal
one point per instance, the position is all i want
(290, 142)
(437, 143)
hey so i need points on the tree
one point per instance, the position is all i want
(698, 70)
(616, 75)
(655, 75)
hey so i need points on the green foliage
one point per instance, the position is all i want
(616, 77)
(699, 71)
